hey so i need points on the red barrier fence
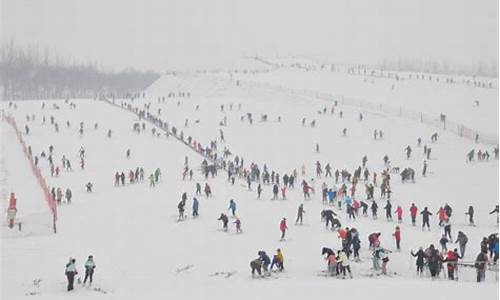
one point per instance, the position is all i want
(35, 170)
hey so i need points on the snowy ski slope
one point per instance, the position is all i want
(142, 252)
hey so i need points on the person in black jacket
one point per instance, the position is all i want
(480, 265)
(495, 211)
(224, 220)
(470, 213)
(420, 255)
(388, 210)
(425, 218)
(374, 208)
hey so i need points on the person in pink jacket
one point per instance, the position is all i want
(283, 228)
(399, 213)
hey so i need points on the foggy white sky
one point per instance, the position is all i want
(160, 34)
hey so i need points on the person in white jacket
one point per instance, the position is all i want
(343, 261)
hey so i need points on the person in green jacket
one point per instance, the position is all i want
(89, 270)
(70, 273)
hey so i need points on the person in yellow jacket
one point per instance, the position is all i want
(278, 260)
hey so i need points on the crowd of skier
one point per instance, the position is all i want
(342, 195)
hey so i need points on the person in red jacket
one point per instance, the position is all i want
(283, 228)
(452, 259)
(413, 213)
(399, 213)
(397, 237)
(441, 215)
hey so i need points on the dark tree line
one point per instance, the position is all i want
(27, 74)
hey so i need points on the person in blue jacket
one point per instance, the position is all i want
(331, 196)
(195, 207)
(232, 207)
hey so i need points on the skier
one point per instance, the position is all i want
(198, 188)
(343, 262)
(388, 210)
(377, 255)
(278, 260)
(275, 192)
(420, 255)
(481, 264)
(413, 213)
(89, 187)
(425, 218)
(443, 242)
(224, 220)
(70, 273)
(424, 169)
(11, 215)
(331, 261)
(259, 191)
(68, 195)
(447, 228)
(408, 152)
(266, 261)
(256, 265)
(327, 215)
(181, 208)
(195, 207)
(89, 270)
(238, 225)
(208, 190)
(462, 242)
(283, 228)
(433, 261)
(452, 260)
(399, 213)
(374, 208)
(300, 213)
(232, 207)
(397, 237)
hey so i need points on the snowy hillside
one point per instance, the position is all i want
(141, 249)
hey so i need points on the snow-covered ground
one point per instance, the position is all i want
(142, 252)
